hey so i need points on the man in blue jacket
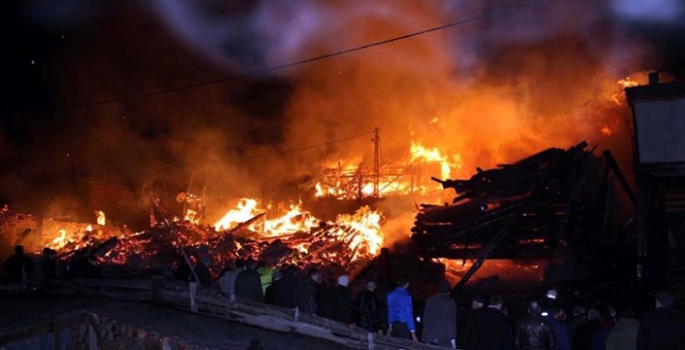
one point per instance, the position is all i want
(400, 312)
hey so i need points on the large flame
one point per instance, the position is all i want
(360, 231)
(244, 211)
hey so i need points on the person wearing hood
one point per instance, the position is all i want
(624, 334)
(440, 318)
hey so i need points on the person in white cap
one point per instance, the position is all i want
(339, 303)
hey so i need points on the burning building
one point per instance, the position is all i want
(309, 134)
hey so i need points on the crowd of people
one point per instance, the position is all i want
(484, 324)
(20, 267)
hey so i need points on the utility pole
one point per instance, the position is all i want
(376, 162)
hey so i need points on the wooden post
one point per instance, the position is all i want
(370, 340)
(166, 345)
(193, 294)
(56, 329)
(92, 338)
(23, 278)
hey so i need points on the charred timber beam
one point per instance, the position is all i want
(486, 252)
(246, 223)
(611, 162)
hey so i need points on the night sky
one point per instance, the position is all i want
(61, 54)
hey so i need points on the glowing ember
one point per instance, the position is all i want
(606, 130)
(192, 216)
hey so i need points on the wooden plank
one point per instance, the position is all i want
(283, 320)
(137, 284)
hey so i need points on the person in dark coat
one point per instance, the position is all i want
(340, 304)
(49, 265)
(248, 284)
(624, 334)
(606, 324)
(230, 275)
(307, 295)
(18, 265)
(582, 338)
(367, 309)
(440, 318)
(663, 328)
(467, 337)
(579, 317)
(492, 327)
(182, 272)
(269, 293)
(202, 272)
(554, 317)
(325, 297)
(534, 332)
(285, 288)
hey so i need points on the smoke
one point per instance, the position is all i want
(659, 11)
(486, 92)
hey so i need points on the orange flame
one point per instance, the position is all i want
(101, 220)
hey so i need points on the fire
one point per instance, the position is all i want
(191, 216)
(295, 220)
(101, 220)
(59, 242)
(419, 152)
(361, 232)
(367, 223)
(399, 177)
(627, 82)
(244, 211)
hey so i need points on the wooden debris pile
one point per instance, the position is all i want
(542, 191)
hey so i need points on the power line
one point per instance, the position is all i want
(308, 60)
(292, 150)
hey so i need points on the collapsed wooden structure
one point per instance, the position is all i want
(526, 209)
(540, 191)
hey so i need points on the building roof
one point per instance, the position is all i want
(662, 91)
